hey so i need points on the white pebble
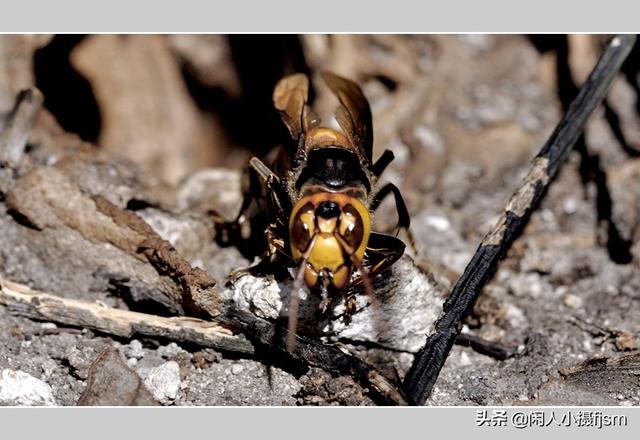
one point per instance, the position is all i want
(170, 351)
(570, 206)
(21, 389)
(573, 301)
(515, 316)
(48, 367)
(164, 381)
(135, 350)
(439, 223)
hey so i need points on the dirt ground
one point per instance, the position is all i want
(162, 125)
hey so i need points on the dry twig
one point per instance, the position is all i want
(22, 300)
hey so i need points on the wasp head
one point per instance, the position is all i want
(329, 232)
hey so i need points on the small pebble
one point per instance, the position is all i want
(170, 351)
(573, 301)
(439, 223)
(625, 341)
(48, 367)
(547, 215)
(570, 206)
(134, 350)
(21, 389)
(164, 381)
(515, 316)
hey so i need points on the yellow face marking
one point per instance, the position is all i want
(336, 237)
(347, 223)
(341, 277)
(307, 219)
(327, 226)
(326, 254)
(310, 275)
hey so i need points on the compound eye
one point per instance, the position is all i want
(351, 227)
(303, 227)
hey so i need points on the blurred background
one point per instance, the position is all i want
(179, 103)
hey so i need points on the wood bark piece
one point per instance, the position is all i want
(429, 361)
(198, 287)
(23, 301)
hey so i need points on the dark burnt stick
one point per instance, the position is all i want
(493, 349)
(427, 364)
